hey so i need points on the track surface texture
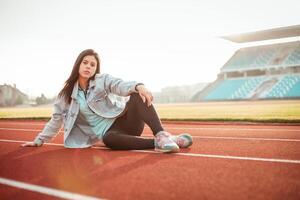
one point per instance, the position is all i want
(226, 161)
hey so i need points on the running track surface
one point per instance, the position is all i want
(227, 161)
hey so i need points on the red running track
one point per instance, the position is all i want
(227, 161)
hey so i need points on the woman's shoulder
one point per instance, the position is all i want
(104, 76)
(98, 75)
(101, 79)
(101, 76)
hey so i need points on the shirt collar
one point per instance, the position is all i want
(76, 88)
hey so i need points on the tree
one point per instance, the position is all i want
(41, 100)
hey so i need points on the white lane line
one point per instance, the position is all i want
(22, 129)
(46, 190)
(201, 137)
(189, 154)
(244, 138)
(233, 129)
(230, 157)
(23, 123)
(241, 138)
(171, 127)
(23, 141)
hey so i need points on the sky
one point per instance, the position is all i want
(158, 42)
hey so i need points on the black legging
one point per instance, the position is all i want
(125, 131)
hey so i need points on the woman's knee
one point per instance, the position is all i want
(136, 100)
(135, 97)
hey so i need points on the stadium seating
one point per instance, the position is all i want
(288, 86)
(243, 88)
(241, 59)
(262, 56)
(250, 58)
(293, 58)
(273, 73)
(238, 88)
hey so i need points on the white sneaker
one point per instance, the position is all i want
(163, 143)
(183, 140)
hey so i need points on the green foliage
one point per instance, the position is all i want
(42, 100)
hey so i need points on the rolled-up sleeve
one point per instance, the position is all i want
(118, 86)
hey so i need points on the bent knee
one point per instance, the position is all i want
(135, 98)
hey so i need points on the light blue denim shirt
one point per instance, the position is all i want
(98, 124)
(98, 101)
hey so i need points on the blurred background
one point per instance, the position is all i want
(184, 51)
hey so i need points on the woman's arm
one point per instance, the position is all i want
(124, 88)
(118, 86)
(52, 127)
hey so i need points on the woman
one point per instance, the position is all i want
(89, 114)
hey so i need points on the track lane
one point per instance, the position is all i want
(128, 175)
(212, 146)
(221, 130)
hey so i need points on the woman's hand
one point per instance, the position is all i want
(145, 94)
(29, 144)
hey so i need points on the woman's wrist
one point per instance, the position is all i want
(38, 142)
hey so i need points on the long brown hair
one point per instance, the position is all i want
(67, 90)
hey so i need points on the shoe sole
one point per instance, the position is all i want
(174, 150)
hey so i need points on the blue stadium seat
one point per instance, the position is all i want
(238, 88)
(257, 57)
(288, 86)
(293, 58)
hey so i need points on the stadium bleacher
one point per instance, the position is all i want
(263, 56)
(293, 58)
(238, 88)
(244, 88)
(288, 86)
(259, 72)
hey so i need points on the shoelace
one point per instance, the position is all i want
(163, 139)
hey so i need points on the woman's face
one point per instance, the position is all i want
(87, 67)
